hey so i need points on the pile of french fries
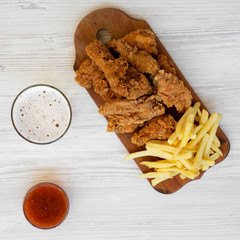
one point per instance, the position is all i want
(193, 146)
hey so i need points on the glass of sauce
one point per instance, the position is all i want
(45, 205)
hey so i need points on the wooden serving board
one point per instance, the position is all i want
(120, 24)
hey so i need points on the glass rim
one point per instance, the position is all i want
(45, 184)
(45, 85)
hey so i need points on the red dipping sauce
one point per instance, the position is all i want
(45, 205)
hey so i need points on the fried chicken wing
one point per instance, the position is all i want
(126, 112)
(144, 39)
(139, 59)
(172, 91)
(160, 127)
(123, 80)
(90, 76)
(166, 64)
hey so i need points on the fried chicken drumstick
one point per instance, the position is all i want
(122, 79)
(90, 76)
(139, 59)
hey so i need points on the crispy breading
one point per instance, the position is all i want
(139, 59)
(86, 73)
(166, 64)
(125, 112)
(172, 91)
(143, 39)
(160, 127)
(89, 75)
(123, 80)
(126, 129)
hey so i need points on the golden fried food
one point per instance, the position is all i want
(86, 73)
(143, 39)
(89, 75)
(160, 127)
(172, 91)
(166, 64)
(126, 129)
(125, 112)
(123, 80)
(139, 59)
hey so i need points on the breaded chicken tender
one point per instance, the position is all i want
(172, 91)
(139, 59)
(126, 112)
(143, 39)
(123, 80)
(160, 127)
(89, 75)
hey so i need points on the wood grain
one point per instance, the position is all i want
(119, 24)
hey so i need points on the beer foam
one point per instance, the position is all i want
(41, 114)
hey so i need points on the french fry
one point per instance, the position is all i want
(182, 176)
(197, 129)
(212, 133)
(204, 117)
(158, 164)
(159, 153)
(209, 123)
(205, 167)
(216, 141)
(156, 181)
(193, 134)
(160, 146)
(181, 122)
(138, 154)
(187, 130)
(187, 173)
(215, 156)
(206, 164)
(185, 155)
(172, 138)
(199, 155)
(187, 163)
(176, 142)
(216, 149)
(156, 175)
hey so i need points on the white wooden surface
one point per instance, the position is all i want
(108, 201)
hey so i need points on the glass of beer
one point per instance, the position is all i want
(41, 114)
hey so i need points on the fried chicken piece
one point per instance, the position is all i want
(160, 127)
(126, 129)
(123, 80)
(166, 64)
(86, 73)
(172, 91)
(143, 39)
(126, 112)
(90, 76)
(139, 59)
